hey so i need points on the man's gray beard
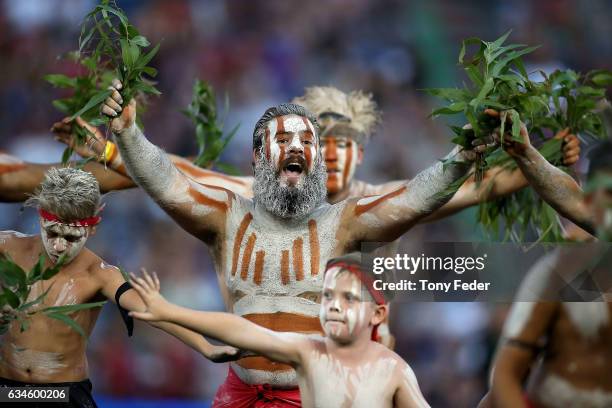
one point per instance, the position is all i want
(284, 201)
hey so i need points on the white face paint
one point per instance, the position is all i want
(291, 146)
(59, 239)
(341, 157)
(344, 315)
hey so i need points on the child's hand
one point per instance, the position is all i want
(148, 289)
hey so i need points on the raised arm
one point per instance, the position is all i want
(228, 328)
(553, 185)
(19, 179)
(107, 153)
(499, 182)
(111, 279)
(384, 218)
(199, 209)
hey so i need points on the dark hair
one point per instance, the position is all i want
(276, 111)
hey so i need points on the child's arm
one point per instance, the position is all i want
(228, 328)
(408, 393)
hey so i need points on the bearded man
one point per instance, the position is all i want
(347, 122)
(269, 252)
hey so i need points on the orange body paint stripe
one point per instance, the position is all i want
(259, 263)
(201, 198)
(9, 168)
(280, 322)
(198, 173)
(285, 322)
(262, 363)
(244, 224)
(348, 162)
(314, 247)
(246, 256)
(298, 259)
(360, 209)
(285, 267)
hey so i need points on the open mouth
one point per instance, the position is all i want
(292, 169)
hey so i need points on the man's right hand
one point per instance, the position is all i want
(123, 117)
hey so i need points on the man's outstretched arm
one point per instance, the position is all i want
(553, 185)
(107, 153)
(19, 179)
(199, 209)
(384, 218)
(499, 182)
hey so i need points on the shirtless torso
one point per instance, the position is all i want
(50, 350)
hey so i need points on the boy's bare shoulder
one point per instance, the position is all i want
(15, 240)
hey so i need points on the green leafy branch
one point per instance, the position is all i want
(498, 80)
(82, 88)
(108, 37)
(109, 47)
(15, 288)
(210, 138)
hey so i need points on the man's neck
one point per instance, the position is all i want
(340, 195)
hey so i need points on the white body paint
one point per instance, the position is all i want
(360, 188)
(9, 234)
(335, 385)
(588, 317)
(7, 159)
(47, 363)
(517, 319)
(557, 392)
(273, 236)
(67, 295)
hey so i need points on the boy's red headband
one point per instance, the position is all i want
(85, 222)
(378, 297)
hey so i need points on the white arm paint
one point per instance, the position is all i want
(424, 192)
(146, 163)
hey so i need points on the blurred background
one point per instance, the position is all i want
(261, 54)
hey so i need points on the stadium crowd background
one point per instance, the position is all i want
(260, 54)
